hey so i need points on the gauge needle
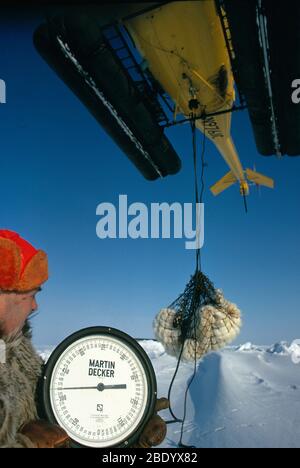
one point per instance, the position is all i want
(99, 387)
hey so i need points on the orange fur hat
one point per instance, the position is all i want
(22, 267)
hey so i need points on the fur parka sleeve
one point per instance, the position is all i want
(8, 436)
(19, 376)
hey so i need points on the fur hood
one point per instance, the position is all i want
(19, 377)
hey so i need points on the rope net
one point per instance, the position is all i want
(199, 321)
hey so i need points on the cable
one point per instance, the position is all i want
(175, 419)
(198, 199)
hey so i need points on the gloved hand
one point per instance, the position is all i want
(155, 430)
(45, 435)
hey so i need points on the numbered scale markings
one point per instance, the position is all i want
(100, 387)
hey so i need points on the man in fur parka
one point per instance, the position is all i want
(23, 270)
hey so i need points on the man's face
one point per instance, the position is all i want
(15, 309)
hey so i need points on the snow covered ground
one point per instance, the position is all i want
(248, 396)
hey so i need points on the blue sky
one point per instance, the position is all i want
(57, 165)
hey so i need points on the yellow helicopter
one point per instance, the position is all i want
(185, 49)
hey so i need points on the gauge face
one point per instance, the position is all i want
(100, 387)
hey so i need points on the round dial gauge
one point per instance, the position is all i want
(100, 387)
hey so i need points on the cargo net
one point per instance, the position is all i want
(199, 321)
